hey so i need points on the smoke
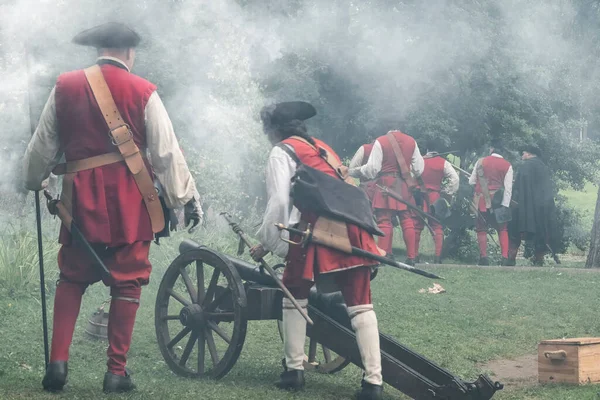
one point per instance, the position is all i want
(217, 62)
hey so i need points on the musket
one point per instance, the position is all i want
(312, 236)
(467, 174)
(243, 238)
(435, 153)
(56, 207)
(399, 198)
(38, 219)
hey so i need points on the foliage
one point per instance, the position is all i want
(19, 268)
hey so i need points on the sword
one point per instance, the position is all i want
(243, 238)
(308, 236)
(55, 207)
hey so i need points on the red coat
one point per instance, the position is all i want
(494, 169)
(432, 177)
(306, 263)
(107, 205)
(390, 176)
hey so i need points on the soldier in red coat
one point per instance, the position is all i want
(103, 195)
(437, 170)
(359, 159)
(292, 146)
(395, 161)
(490, 175)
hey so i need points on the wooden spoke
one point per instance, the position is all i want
(178, 297)
(218, 300)
(178, 337)
(201, 350)
(188, 349)
(170, 318)
(200, 281)
(312, 350)
(212, 286)
(189, 285)
(212, 348)
(219, 331)
(327, 354)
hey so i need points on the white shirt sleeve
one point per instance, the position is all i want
(508, 183)
(280, 170)
(473, 177)
(358, 157)
(452, 179)
(372, 167)
(417, 163)
(166, 157)
(43, 151)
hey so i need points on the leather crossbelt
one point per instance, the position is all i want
(121, 136)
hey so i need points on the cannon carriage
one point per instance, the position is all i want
(206, 299)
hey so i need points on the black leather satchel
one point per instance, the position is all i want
(330, 196)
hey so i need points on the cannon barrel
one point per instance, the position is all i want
(247, 271)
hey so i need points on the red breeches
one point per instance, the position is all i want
(384, 222)
(438, 234)
(354, 283)
(130, 270)
(485, 221)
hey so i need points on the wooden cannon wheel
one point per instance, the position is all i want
(200, 315)
(330, 363)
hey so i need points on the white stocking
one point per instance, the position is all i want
(364, 323)
(294, 334)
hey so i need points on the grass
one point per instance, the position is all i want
(485, 315)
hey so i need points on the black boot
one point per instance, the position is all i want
(437, 260)
(410, 261)
(506, 262)
(56, 376)
(484, 261)
(370, 391)
(292, 379)
(117, 383)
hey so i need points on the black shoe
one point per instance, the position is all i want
(418, 260)
(410, 261)
(484, 261)
(117, 383)
(506, 262)
(370, 391)
(437, 260)
(56, 376)
(291, 380)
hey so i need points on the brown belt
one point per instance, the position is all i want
(87, 163)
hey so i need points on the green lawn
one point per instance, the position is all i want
(485, 315)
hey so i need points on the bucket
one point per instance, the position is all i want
(97, 326)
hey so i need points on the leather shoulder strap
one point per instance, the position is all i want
(404, 168)
(328, 158)
(122, 138)
(483, 183)
(289, 152)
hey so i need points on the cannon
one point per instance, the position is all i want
(206, 299)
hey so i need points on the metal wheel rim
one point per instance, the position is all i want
(199, 327)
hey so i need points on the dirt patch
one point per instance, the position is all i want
(520, 371)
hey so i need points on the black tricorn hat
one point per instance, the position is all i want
(108, 35)
(532, 149)
(282, 113)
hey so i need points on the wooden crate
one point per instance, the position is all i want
(574, 360)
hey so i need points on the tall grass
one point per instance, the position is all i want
(19, 264)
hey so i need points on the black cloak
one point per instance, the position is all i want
(534, 216)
